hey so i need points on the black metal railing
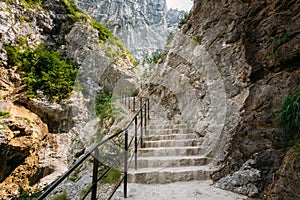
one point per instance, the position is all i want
(139, 121)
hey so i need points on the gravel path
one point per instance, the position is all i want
(193, 190)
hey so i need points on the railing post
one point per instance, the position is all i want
(135, 143)
(133, 104)
(145, 124)
(148, 100)
(129, 102)
(125, 100)
(141, 110)
(95, 175)
(126, 164)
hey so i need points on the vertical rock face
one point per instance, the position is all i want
(227, 73)
(31, 155)
(141, 24)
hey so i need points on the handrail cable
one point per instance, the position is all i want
(143, 110)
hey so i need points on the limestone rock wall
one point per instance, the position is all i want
(141, 24)
(227, 73)
(40, 136)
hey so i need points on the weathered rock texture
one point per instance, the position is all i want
(31, 156)
(141, 25)
(227, 73)
(21, 137)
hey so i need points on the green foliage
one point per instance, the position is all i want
(25, 119)
(280, 39)
(199, 39)
(103, 32)
(22, 41)
(4, 114)
(74, 177)
(115, 49)
(289, 118)
(210, 154)
(289, 115)
(76, 14)
(170, 38)
(44, 71)
(62, 196)
(103, 104)
(276, 42)
(184, 18)
(28, 194)
(151, 61)
(3, 126)
(1, 97)
(297, 148)
(154, 59)
(30, 3)
(113, 176)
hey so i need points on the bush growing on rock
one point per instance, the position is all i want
(289, 115)
(44, 71)
(75, 14)
(289, 118)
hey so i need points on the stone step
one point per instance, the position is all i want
(172, 143)
(170, 161)
(167, 126)
(170, 137)
(170, 151)
(164, 122)
(168, 131)
(169, 174)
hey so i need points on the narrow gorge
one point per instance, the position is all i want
(224, 96)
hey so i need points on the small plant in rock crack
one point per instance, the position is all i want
(184, 19)
(103, 104)
(289, 118)
(289, 115)
(4, 114)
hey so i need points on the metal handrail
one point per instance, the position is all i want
(143, 110)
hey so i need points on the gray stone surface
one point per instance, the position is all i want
(193, 190)
(143, 25)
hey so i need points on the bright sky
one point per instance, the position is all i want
(180, 4)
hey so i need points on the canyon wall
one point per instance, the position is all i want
(39, 138)
(227, 73)
(143, 25)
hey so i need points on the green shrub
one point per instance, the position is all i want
(115, 49)
(103, 32)
(103, 104)
(4, 114)
(113, 176)
(44, 71)
(28, 194)
(154, 59)
(170, 38)
(184, 18)
(3, 126)
(62, 196)
(289, 118)
(276, 42)
(289, 115)
(76, 14)
(29, 3)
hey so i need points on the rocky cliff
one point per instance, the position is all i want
(227, 73)
(143, 26)
(37, 133)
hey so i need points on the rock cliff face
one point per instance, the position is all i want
(31, 155)
(226, 73)
(142, 25)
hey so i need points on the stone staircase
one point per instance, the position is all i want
(171, 153)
